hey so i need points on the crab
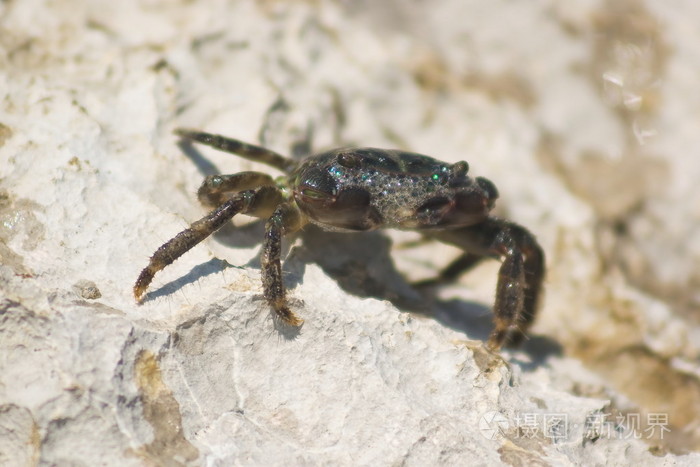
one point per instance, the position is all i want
(362, 189)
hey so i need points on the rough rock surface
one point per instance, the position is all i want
(585, 116)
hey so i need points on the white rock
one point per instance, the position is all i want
(92, 182)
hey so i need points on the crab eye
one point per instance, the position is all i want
(460, 168)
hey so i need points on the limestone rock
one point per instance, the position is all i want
(582, 116)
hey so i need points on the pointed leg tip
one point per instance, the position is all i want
(494, 345)
(138, 294)
(288, 317)
(498, 337)
(293, 320)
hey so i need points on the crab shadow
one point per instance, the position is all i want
(361, 264)
(213, 266)
(204, 165)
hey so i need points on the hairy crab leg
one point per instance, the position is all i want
(234, 146)
(452, 271)
(246, 202)
(520, 276)
(285, 220)
(216, 189)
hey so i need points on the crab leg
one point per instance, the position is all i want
(234, 146)
(251, 202)
(216, 189)
(453, 270)
(519, 279)
(285, 220)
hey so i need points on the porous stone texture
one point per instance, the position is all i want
(584, 114)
